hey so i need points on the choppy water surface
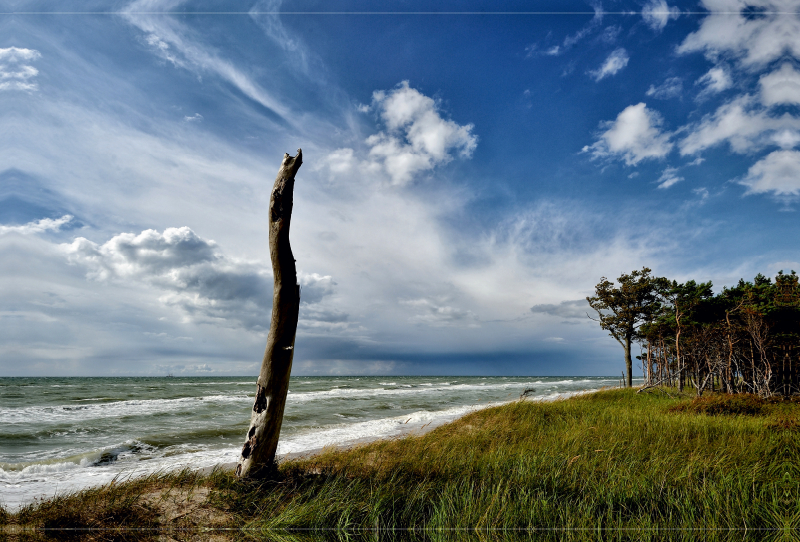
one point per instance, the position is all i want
(62, 434)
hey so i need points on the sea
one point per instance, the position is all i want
(59, 435)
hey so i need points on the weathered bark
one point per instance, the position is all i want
(258, 454)
(628, 363)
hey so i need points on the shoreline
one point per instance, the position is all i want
(48, 484)
(556, 465)
(411, 431)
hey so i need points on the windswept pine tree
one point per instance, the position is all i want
(745, 339)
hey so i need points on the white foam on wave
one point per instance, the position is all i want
(382, 428)
(428, 389)
(22, 484)
(114, 409)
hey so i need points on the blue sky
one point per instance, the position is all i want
(468, 176)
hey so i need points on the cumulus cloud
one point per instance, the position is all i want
(657, 14)
(778, 173)
(416, 138)
(781, 87)
(668, 178)
(617, 60)
(634, 136)
(754, 33)
(39, 226)
(191, 273)
(670, 88)
(15, 74)
(741, 124)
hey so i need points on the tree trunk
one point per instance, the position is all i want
(258, 454)
(628, 362)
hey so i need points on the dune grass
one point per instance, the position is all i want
(608, 462)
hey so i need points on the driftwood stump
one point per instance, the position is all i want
(258, 454)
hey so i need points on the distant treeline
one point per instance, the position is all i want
(745, 339)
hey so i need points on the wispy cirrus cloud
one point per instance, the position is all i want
(672, 87)
(170, 40)
(613, 63)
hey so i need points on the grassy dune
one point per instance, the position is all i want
(609, 461)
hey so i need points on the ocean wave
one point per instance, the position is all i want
(115, 409)
(428, 389)
(92, 458)
(373, 429)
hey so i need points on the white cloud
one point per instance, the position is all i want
(596, 21)
(571, 310)
(416, 138)
(190, 272)
(193, 275)
(14, 74)
(668, 178)
(657, 14)
(340, 161)
(670, 88)
(39, 226)
(715, 81)
(435, 313)
(17, 54)
(197, 117)
(741, 124)
(265, 13)
(610, 34)
(786, 139)
(634, 136)
(780, 87)
(162, 49)
(170, 41)
(702, 192)
(754, 41)
(617, 60)
(778, 173)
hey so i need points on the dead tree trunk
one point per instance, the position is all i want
(258, 454)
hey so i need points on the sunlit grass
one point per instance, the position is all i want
(611, 461)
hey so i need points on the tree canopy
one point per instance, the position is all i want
(743, 339)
